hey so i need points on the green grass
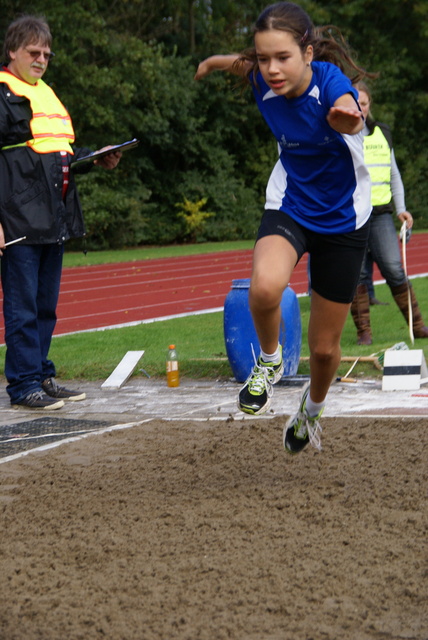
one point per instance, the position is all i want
(79, 259)
(201, 347)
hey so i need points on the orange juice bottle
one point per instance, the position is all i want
(172, 374)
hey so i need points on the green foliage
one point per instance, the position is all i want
(125, 69)
(114, 209)
(194, 218)
(390, 37)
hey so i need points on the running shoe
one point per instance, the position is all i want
(53, 389)
(302, 429)
(254, 397)
(38, 400)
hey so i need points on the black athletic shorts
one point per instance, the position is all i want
(335, 260)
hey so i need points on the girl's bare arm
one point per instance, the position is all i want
(344, 116)
(222, 63)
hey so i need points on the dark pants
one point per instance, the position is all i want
(30, 276)
(384, 250)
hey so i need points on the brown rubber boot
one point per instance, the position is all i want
(401, 298)
(360, 310)
(375, 301)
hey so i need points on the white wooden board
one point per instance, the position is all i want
(404, 370)
(123, 370)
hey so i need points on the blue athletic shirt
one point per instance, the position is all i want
(320, 179)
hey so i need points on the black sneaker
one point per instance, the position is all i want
(38, 400)
(302, 429)
(54, 390)
(254, 397)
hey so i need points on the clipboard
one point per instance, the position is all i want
(125, 146)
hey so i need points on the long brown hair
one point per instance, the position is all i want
(328, 43)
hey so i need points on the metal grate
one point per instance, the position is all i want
(24, 436)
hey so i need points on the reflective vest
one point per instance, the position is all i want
(377, 156)
(50, 125)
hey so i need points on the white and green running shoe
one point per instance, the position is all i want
(254, 397)
(302, 429)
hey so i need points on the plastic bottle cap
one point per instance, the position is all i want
(172, 346)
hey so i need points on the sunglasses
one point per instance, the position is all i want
(35, 54)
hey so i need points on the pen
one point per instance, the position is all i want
(13, 241)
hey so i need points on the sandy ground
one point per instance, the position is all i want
(209, 530)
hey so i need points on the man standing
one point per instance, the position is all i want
(38, 201)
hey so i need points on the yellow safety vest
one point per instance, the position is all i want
(377, 156)
(50, 125)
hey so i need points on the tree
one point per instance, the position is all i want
(390, 37)
(125, 69)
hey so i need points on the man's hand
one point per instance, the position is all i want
(406, 216)
(110, 161)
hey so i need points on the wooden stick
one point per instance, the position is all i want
(302, 359)
(14, 241)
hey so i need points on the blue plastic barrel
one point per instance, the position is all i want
(240, 334)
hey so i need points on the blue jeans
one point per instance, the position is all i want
(384, 250)
(30, 276)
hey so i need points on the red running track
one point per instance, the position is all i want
(125, 293)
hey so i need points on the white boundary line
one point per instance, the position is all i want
(135, 323)
(192, 313)
(57, 443)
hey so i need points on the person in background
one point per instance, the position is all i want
(39, 203)
(383, 248)
(370, 284)
(317, 200)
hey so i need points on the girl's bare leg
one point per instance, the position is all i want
(273, 262)
(325, 328)
(326, 323)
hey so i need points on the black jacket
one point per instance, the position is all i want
(31, 201)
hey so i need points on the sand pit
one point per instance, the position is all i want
(209, 530)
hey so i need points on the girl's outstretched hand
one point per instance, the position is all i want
(220, 63)
(202, 70)
(345, 119)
